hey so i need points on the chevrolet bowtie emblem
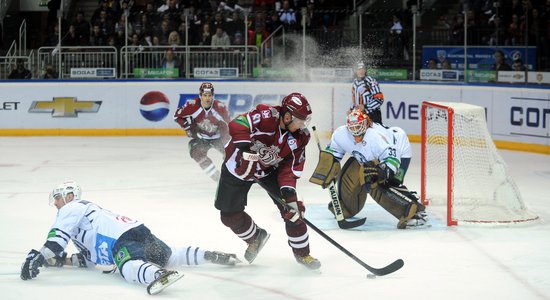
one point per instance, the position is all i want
(64, 107)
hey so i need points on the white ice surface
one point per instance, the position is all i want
(153, 179)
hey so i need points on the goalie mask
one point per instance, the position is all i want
(358, 122)
(64, 189)
(298, 106)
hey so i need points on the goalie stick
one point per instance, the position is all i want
(394, 266)
(336, 206)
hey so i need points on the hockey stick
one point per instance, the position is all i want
(394, 266)
(342, 222)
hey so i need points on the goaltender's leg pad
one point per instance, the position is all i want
(326, 171)
(352, 191)
(394, 202)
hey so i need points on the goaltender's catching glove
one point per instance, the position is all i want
(376, 173)
(34, 260)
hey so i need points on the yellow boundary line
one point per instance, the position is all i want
(92, 132)
(534, 148)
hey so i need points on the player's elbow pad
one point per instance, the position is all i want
(243, 146)
(289, 194)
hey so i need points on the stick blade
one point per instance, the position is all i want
(394, 266)
(351, 224)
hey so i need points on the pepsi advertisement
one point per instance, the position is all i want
(479, 58)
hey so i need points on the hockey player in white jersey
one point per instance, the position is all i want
(106, 238)
(379, 162)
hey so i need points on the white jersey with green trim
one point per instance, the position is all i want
(388, 145)
(93, 230)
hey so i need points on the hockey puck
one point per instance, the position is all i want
(371, 276)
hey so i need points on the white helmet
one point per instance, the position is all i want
(65, 188)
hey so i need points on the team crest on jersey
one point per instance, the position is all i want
(359, 157)
(269, 156)
(207, 126)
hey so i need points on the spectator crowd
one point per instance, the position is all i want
(181, 22)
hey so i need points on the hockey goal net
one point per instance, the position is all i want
(462, 171)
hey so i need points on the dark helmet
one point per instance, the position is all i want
(297, 105)
(206, 87)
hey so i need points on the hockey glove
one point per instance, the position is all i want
(185, 121)
(247, 163)
(57, 260)
(376, 173)
(34, 260)
(294, 210)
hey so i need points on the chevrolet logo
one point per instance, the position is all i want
(64, 107)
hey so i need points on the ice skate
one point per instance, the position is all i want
(308, 261)
(221, 258)
(256, 245)
(164, 279)
(402, 224)
(419, 220)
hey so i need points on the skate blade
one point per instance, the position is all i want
(158, 286)
(260, 247)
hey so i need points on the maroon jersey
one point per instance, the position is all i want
(203, 123)
(280, 150)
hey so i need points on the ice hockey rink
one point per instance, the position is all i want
(154, 180)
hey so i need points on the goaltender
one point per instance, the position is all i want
(379, 162)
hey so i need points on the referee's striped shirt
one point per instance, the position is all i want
(367, 92)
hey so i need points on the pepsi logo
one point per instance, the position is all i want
(154, 106)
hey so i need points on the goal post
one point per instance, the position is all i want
(462, 171)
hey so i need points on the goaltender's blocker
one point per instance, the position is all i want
(379, 162)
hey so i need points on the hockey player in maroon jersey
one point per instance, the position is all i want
(267, 144)
(205, 122)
